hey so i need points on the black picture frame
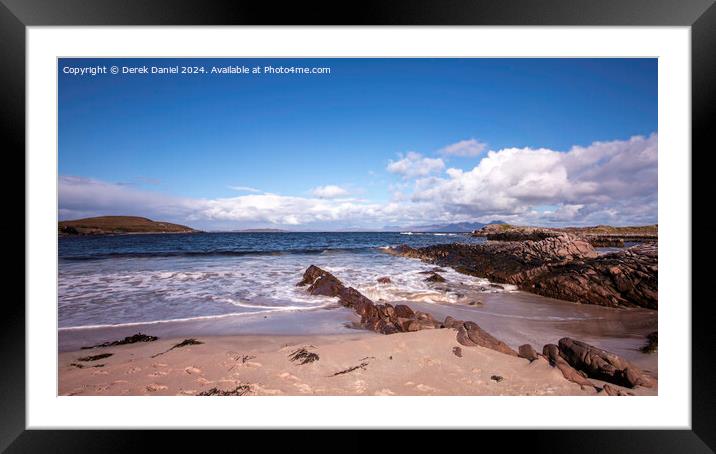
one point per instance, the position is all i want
(700, 15)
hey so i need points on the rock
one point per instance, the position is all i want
(457, 351)
(321, 282)
(452, 323)
(470, 334)
(497, 378)
(564, 266)
(526, 351)
(551, 352)
(612, 391)
(381, 318)
(434, 277)
(652, 341)
(601, 364)
(384, 280)
(401, 310)
(475, 303)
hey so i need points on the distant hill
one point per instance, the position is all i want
(457, 227)
(104, 225)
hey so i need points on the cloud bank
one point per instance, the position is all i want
(607, 182)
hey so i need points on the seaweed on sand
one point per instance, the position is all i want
(82, 366)
(139, 337)
(303, 356)
(181, 344)
(361, 366)
(240, 390)
(95, 357)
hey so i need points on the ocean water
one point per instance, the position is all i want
(129, 279)
(245, 283)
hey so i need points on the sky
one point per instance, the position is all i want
(363, 144)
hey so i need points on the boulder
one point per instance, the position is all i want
(551, 352)
(470, 334)
(434, 277)
(527, 352)
(321, 282)
(601, 364)
(384, 280)
(452, 323)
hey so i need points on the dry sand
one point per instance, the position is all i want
(414, 364)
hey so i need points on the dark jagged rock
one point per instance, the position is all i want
(527, 352)
(452, 323)
(403, 311)
(564, 267)
(601, 364)
(597, 236)
(457, 351)
(652, 343)
(139, 337)
(384, 280)
(321, 282)
(497, 378)
(389, 319)
(381, 318)
(551, 352)
(470, 335)
(434, 277)
(624, 278)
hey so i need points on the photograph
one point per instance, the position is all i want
(357, 226)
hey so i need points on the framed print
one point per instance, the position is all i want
(382, 216)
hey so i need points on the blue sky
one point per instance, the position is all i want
(371, 137)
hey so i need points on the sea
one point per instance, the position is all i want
(245, 283)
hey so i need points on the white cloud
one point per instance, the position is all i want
(329, 192)
(618, 177)
(464, 148)
(606, 182)
(244, 189)
(415, 165)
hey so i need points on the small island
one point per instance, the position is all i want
(113, 225)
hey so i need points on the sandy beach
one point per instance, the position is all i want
(417, 363)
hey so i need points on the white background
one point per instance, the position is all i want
(670, 409)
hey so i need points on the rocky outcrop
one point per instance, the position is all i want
(597, 236)
(564, 267)
(601, 364)
(624, 278)
(381, 318)
(389, 319)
